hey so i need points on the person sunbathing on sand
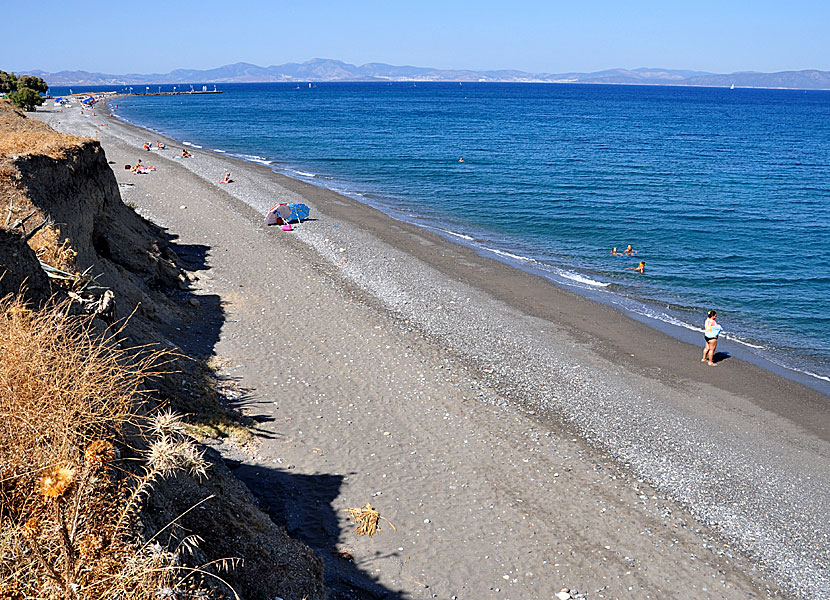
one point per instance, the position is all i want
(641, 268)
(159, 145)
(141, 169)
(185, 153)
(227, 178)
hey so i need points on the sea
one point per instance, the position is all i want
(724, 193)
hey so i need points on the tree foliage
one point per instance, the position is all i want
(8, 82)
(24, 91)
(26, 98)
(33, 83)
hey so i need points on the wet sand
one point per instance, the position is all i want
(520, 437)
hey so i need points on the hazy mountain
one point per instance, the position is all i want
(320, 69)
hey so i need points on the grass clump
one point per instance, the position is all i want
(78, 459)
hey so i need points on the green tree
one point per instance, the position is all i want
(33, 83)
(8, 82)
(26, 98)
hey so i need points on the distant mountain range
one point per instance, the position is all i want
(320, 69)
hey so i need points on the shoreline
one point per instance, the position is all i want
(636, 309)
(563, 357)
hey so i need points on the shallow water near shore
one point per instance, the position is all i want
(724, 193)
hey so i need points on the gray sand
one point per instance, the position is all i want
(522, 439)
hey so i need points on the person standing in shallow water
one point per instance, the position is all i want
(711, 331)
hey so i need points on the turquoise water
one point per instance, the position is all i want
(725, 193)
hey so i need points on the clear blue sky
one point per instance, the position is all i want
(537, 36)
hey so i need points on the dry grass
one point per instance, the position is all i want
(71, 484)
(21, 136)
(367, 519)
(50, 249)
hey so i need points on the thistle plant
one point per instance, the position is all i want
(78, 458)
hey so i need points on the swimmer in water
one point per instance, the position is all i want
(641, 268)
(614, 252)
(629, 250)
(461, 159)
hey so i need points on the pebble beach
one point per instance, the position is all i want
(524, 441)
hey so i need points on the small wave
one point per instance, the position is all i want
(454, 234)
(509, 255)
(302, 173)
(732, 338)
(582, 279)
(254, 158)
(218, 150)
(811, 374)
(191, 144)
(665, 318)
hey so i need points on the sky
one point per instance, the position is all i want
(535, 36)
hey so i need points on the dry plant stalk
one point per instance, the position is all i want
(49, 249)
(68, 499)
(367, 520)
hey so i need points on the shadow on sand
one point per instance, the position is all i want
(300, 503)
(303, 505)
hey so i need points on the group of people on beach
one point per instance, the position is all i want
(711, 330)
(144, 169)
(149, 146)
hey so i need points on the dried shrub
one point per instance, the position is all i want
(50, 249)
(367, 519)
(78, 459)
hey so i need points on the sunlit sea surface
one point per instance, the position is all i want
(724, 193)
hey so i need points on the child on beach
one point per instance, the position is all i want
(711, 331)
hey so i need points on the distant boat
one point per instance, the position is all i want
(733, 87)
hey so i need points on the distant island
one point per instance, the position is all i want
(320, 69)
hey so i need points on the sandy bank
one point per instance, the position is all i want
(467, 401)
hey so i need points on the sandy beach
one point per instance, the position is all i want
(520, 438)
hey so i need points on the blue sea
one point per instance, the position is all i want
(725, 194)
